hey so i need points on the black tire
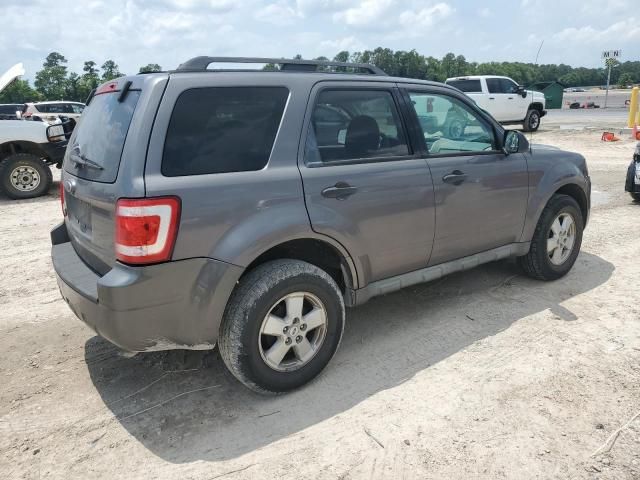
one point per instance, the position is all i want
(532, 121)
(635, 196)
(537, 263)
(34, 164)
(252, 300)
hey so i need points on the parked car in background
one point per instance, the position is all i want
(504, 99)
(51, 112)
(9, 111)
(632, 185)
(248, 208)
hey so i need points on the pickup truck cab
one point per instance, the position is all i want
(504, 99)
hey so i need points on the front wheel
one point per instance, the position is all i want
(24, 175)
(556, 241)
(532, 121)
(282, 326)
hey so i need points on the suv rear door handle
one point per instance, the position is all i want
(340, 190)
(456, 177)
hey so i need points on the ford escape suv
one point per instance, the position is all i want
(246, 209)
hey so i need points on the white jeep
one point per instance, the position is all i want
(508, 102)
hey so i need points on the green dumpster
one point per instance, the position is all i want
(553, 92)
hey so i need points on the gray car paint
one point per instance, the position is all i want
(385, 233)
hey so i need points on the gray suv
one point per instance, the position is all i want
(248, 208)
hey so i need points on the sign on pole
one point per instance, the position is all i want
(610, 57)
(607, 54)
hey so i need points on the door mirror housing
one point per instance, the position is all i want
(522, 91)
(515, 142)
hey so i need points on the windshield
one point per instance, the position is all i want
(97, 142)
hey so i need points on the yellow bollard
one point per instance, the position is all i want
(633, 108)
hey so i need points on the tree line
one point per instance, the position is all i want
(55, 82)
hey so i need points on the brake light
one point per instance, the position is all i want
(64, 209)
(146, 229)
(107, 88)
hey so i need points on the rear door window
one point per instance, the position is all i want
(98, 140)
(494, 85)
(223, 129)
(467, 86)
(365, 124)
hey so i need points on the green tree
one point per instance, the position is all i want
(19, 91)
(110, 71)
(151, 67)
(91, 75)
(624, 80)
(73, 87)
(51, 81)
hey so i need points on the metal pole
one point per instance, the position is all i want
(606, 95)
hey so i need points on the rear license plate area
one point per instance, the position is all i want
(79, 214)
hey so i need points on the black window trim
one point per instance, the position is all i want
(400, 108)
(200, 87)
(410, 88)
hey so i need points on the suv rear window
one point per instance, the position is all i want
(467, 86)
(100, 135)
(222, 129)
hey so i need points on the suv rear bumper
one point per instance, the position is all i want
(175, 305)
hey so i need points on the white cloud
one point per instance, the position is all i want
(350, 44)
(366, 13)
(426, 17)
(484, 12)
(211, 5)
(624, 31)
(279, 13)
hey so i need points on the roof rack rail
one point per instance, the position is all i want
(200, 64)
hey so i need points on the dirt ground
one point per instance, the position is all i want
(484, 374)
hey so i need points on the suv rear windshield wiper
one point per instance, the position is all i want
(81, 161)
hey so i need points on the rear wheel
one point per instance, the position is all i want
(556, 241)
(24, 175)
(532, 121)
(282, 326)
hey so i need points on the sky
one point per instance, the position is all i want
(168, 32)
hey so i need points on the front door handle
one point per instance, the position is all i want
(340, 190)
(456, 177)
(492, 98)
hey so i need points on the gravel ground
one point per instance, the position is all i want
(482, 374)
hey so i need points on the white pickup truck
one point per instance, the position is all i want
(508, 102)
(27, 150)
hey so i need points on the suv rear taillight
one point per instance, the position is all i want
(64, 209)
(146, 229)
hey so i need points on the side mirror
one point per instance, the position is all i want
(19, 115)
(515, 142)
(522, 91)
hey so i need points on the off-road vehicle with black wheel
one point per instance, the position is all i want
(632, 184)
(248, 208)
(27, 151)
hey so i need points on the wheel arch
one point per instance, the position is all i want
(574, 191)
(536, 106)
(20, 146)
(572, 188)
(320, 252)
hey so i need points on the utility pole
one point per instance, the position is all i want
(610, 58)
(606, 95)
